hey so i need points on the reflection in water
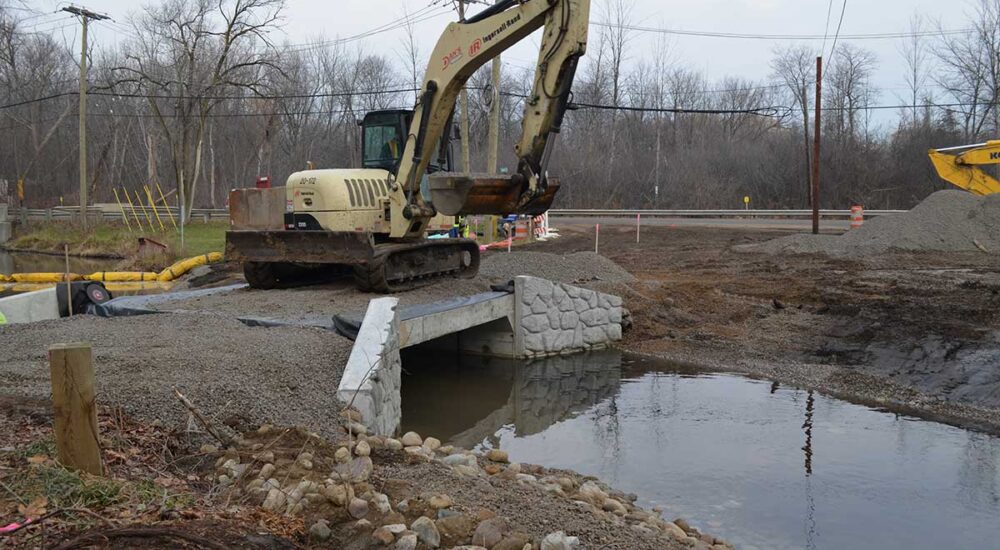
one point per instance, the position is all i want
(756, 463)
(27, 262)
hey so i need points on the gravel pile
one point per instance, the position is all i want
(286, 376)
(579, 267)
(951, 221)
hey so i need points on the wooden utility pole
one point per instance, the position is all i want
(464, 103)
(494, 143)
(75, 411)
(85, 16)
(816, 140)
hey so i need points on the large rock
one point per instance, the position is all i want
(455, 529)
(426, 531)
(320, 530)
(412, 439)
(559, 541)
(489, 532)
(357, 470)
(358, 508)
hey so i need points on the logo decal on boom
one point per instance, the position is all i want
(474, 48)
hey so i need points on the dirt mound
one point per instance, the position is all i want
(951, 221)
(579, 267)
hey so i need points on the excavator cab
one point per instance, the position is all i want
(383, 134)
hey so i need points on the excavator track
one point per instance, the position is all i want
(397, 267)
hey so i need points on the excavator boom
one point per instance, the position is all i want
(464, 47)
(960, 166)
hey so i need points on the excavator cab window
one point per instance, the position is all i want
(383, 139)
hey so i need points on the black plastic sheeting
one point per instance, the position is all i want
(125, 306)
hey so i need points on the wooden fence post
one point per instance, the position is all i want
(75, 411)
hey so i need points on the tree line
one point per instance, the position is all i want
(200, 97)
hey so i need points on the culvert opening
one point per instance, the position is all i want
(752, 461)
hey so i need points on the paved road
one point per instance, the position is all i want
(833, 226)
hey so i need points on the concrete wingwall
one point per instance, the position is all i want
(556, 318)
(372, 377)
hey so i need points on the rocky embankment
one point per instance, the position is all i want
(367, 491)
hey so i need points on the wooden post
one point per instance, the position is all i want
(75, 411)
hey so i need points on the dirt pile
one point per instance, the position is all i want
(949, 221)
(579, 267)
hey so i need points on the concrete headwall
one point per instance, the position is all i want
(40, 305)
(553, 318)
(372, 377)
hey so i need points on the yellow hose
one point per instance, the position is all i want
(122, 276)
(183, 266)
(44, 277)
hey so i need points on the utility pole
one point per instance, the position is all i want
(816, 140)
(85, 16)
(464, 102)
(494, 143)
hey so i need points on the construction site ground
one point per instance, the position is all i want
(912, 332)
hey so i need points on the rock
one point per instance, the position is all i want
(516, 541)
(393, 444)
(403, 506)
(350, 415)
(356, 428)
(342, 455)
(559, 541)
(362, 448)
(381, 503)
(338, 494)
(438, 502)
(395, 528)
(265, 429)
(455, 529)
(496, 455)
(406, 542)
(384, 536)
(432, 443)
(615, 507)
(680, 522)
(412, 439)
(355, 471)
(527, 478)
(471, 471)
(489, 532)
(320, 530)
(446, 449)
(566, 483)
(460, 459)
(209, 449)
(674, 530)
(275, 500)
(266, 456)
(305, 464)
(224, 480)
(593, 494)
(357, 508)
(492, 469)
(426, 531)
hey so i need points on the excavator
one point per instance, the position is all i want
(375, 219)
(960, 166)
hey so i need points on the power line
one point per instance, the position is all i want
(843, 8)
(826, 27)
(750, 36)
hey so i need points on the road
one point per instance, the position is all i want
(825, 225)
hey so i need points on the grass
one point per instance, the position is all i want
(109, 239)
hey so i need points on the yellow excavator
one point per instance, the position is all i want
(960, 166)
(375, 219)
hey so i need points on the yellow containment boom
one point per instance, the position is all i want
(122, 276)
(183, 266)
(961, 168)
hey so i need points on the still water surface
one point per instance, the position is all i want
(762, 465)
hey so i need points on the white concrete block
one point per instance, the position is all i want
(40, 305)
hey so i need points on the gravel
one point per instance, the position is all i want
(286, 376)
(954, 221)
(578, 267)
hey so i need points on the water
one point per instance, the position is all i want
(29, 262)
(762, 465)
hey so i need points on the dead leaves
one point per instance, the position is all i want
(35, 509)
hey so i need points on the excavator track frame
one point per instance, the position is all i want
(273, 259)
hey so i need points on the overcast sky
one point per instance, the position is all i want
(308, 20)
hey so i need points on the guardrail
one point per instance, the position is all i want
(736, 213)
(219, 214)
(67, 213)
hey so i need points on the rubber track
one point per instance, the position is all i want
(373, 276)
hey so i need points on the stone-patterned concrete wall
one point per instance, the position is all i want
(553, 318)
(372, 378)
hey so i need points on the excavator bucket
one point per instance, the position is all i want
(456, 194)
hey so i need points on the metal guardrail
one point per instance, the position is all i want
(65, 213)
(736, 213)
(219, 214)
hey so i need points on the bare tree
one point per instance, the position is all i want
(795, 67)
(185, 56)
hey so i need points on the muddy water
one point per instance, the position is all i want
(762, 465)
(27, 262)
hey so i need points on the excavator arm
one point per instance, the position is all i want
(464, 47)
(960, 166)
